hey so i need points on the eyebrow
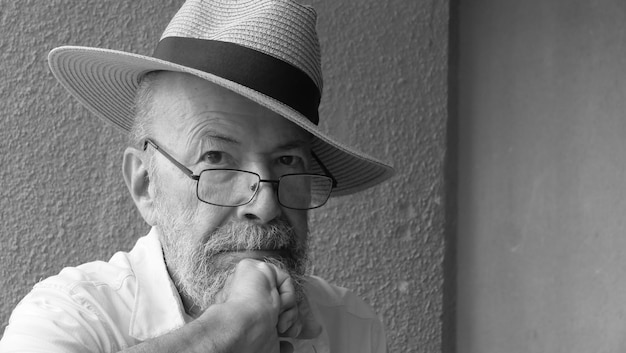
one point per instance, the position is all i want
(209, 135)
(294, 144)
(214, 135)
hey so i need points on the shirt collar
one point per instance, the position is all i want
(158, 308)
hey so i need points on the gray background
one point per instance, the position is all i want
(541, 227)
(63, 201)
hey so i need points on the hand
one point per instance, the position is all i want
(265, 298)
(257, 304)
(298, 322)
(306, 327)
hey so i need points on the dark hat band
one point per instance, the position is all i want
(248, 67)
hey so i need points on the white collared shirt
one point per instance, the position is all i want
(109, 306)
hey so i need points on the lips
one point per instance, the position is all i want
(255, 254)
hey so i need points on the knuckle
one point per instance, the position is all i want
(265, 267)
(246, 263)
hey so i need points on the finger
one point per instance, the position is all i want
(249, 279)
(242, 269)
(299, 322)
(270, 271)
(311, 328)
(285, 288)
(284, 282)
(294, 330)
(288, 323)
(288, 295)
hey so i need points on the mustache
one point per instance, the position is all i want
(245, 236)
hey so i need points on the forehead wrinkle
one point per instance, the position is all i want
(204, 130)
(294, 144)
(173, 113)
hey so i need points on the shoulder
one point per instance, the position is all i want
(80, 309)
(326, 294)
(350, 324)
(96, 287)
(97, 278)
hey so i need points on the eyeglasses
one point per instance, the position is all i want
(234, 187)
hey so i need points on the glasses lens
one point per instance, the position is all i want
(304, 191)
(224, 187)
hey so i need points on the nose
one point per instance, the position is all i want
(264, 207)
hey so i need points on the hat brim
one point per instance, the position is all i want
(105, 81)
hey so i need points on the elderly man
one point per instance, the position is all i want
(225, 160)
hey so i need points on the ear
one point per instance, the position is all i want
(135, 170)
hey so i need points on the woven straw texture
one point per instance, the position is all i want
(105, 81)
(282, 29)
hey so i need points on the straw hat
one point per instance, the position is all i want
(265, 50)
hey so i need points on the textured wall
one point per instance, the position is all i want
(63, 201)
(541, 190)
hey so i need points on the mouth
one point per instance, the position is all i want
(260, 254)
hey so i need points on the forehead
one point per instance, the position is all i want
(185, 108)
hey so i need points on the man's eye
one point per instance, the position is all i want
(289, 160)
(214, 157)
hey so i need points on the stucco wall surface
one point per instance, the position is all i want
(62, 197)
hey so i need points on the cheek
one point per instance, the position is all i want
(171, 188)
(177, 204)
(175, 196)
(175, 200)
(299, 220)
(208, 218)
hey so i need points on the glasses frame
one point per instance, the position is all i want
(188, 172)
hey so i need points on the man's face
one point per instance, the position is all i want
(205, 126)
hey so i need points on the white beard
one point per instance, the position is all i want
(200, 272)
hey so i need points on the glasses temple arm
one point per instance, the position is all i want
(326, 171)
(182, 168)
